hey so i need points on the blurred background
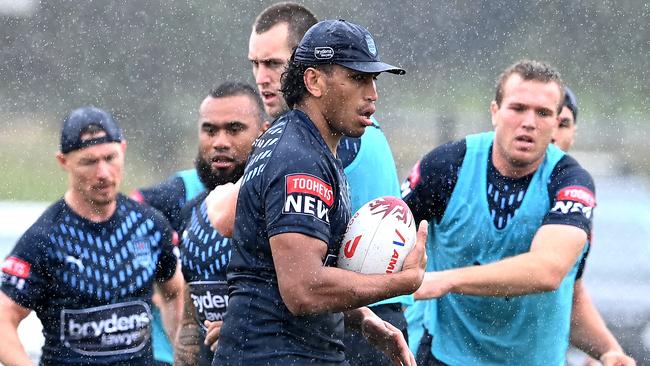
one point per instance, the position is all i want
(150, 63)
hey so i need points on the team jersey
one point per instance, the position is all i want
(477, 217)
(292, 184)
(171, 195)
(91, 283)
(204, 256)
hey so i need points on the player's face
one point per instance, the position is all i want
(349, 101)
(524, 124)
(269, 53)
(95, 172)
(227, 128)
(564, 136)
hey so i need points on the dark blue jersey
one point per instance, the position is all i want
(292, 184)
(167, 197)
(90, 283)
(204, 256)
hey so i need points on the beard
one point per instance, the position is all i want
(211, 178)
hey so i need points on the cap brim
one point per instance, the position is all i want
(372, 67)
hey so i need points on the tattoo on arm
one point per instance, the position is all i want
(188, 342)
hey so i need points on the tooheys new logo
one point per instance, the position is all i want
(308, 195)
(210, 299)
(575, 199)
(107, 330)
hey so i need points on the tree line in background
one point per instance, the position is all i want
(151, 62)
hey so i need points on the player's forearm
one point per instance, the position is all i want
(188, 344)
(334, 289)
(589, 332)
(12, 352)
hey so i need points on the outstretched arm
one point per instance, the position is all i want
(11, 314)
(555, 249)
(590, 333)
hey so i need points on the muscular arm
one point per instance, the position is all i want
(12, 352)
(171, 302)
(308, 287)
(554, 250)
(188, 337)
(589, 332)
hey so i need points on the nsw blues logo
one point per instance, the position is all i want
(142, 251)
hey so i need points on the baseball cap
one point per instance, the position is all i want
(571, 102)
(80, 119)
(342, 43)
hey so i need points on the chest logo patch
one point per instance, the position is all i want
(308, 195)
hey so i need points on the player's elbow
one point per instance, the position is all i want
(300, 302)
(551, 279)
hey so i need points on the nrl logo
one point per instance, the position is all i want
(324, 53)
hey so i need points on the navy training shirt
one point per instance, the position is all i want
(90, 283)
(168, 197)
(292, 184)
(204, 256)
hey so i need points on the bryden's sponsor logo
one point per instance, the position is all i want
(575, 199)
(308, 195)
(106, 330)
(210, 299)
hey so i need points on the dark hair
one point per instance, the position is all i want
(293, 80)
(234, 88)
(530, 70)
(298, 18)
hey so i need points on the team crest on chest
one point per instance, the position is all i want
(142, 251)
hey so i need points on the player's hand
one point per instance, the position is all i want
(616, 358)
(212, 334)
(388, 339)
(416, 261)
(222, 205)
(434, 285)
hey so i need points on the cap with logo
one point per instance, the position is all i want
(571, 102)
(79, 119)
(342, 43)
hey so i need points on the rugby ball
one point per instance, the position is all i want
(378, 237)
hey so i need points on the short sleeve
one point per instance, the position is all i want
(429, 186)
(571, 193)
(24, 271)
(298, 198)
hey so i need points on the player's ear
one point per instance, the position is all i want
(62, 159)
(314, 81)
(494, 108)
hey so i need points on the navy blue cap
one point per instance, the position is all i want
(342, 43)
(80, 119)
(571, 102)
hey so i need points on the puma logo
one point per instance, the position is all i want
(71, 259)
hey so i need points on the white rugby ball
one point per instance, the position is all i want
(378, 237)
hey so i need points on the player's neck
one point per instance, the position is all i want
(89, 210)
(330, 136)
(511, 169)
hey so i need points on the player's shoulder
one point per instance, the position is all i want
(186, 212)
(129, 205)
(448, 154)
(569, 172)
(171, 187)
(45, 225)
